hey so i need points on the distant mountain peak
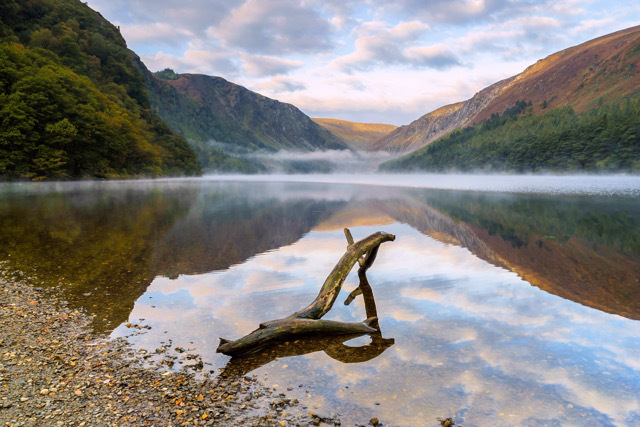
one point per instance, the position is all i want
(360, 136)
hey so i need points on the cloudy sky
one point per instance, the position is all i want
(371, 61)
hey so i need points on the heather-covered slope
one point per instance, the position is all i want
(359, 136)
(604, 139)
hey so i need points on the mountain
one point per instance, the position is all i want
(597, 72)
(217, 115)
(73, 102)
(578, 111)
(439, 122)
(76, 102)
(604, 139)
(359, 136)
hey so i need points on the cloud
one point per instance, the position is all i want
(261, 66)
(592, 24)
(459, 12)
(279, 85)
(434, 56)
(384, 61)
(281, 27)
(513, 39)
(194, 61)
(379, 44)
(366, 99)
(156, 33)
(197, 15)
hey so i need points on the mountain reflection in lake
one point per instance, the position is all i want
(465, 332)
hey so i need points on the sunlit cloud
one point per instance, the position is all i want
(281, 27)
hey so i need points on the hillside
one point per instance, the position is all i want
(92, 109)
(598, 72)
(222, 117)
(604, 139)
(359, 136)
(72, 101)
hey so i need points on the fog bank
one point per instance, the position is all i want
(554, 184)
(329, 161)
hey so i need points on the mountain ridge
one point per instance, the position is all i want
(225, 122)
(263, 127)
(582, 70)
(108, 116)
(439, 122)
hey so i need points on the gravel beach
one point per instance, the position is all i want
(55, 372)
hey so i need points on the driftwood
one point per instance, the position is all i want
(333, 346)
(308, 320)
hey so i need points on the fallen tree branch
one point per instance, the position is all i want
(306, 321)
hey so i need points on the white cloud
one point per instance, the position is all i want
(194, 61)
(379, 44)
(260, 66)
(156, 32)
(279, 27)
(278, 85)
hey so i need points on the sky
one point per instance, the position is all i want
(366, 61)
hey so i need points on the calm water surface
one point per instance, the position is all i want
(496, 308)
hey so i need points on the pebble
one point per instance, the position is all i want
(52, 359)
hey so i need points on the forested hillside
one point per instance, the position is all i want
(604, 139)
(72, 101)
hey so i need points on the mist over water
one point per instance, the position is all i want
(553, 184)
(335, 161)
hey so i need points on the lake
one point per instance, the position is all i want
(502, 301)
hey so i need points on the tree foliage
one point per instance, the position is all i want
(606, 139)
(72, 101)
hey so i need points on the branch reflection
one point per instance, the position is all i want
(333, 346)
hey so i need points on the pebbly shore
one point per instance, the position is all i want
(55, 372)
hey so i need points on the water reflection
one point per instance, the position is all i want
(332, 346)
(106, 243)
(583, 249)
(472, 337)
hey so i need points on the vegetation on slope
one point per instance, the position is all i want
(604, 139)
(604, 70)
(73, 103)
(360, 136)
(224, 121)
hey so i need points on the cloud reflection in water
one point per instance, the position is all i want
(471, 339)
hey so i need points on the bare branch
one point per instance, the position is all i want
(306, 321)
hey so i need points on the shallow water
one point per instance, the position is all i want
(517, 306)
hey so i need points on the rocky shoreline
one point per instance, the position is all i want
(54, 371)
